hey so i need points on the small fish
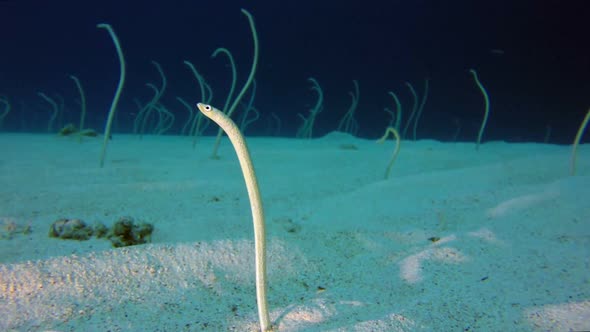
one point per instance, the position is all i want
(497, 51)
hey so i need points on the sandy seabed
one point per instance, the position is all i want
(454, 240)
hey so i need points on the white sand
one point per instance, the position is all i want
(348, 250)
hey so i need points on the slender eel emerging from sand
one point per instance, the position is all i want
(239, 144)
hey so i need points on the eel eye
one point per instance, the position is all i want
(204, 107)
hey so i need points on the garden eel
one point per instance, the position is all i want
(237, 139)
